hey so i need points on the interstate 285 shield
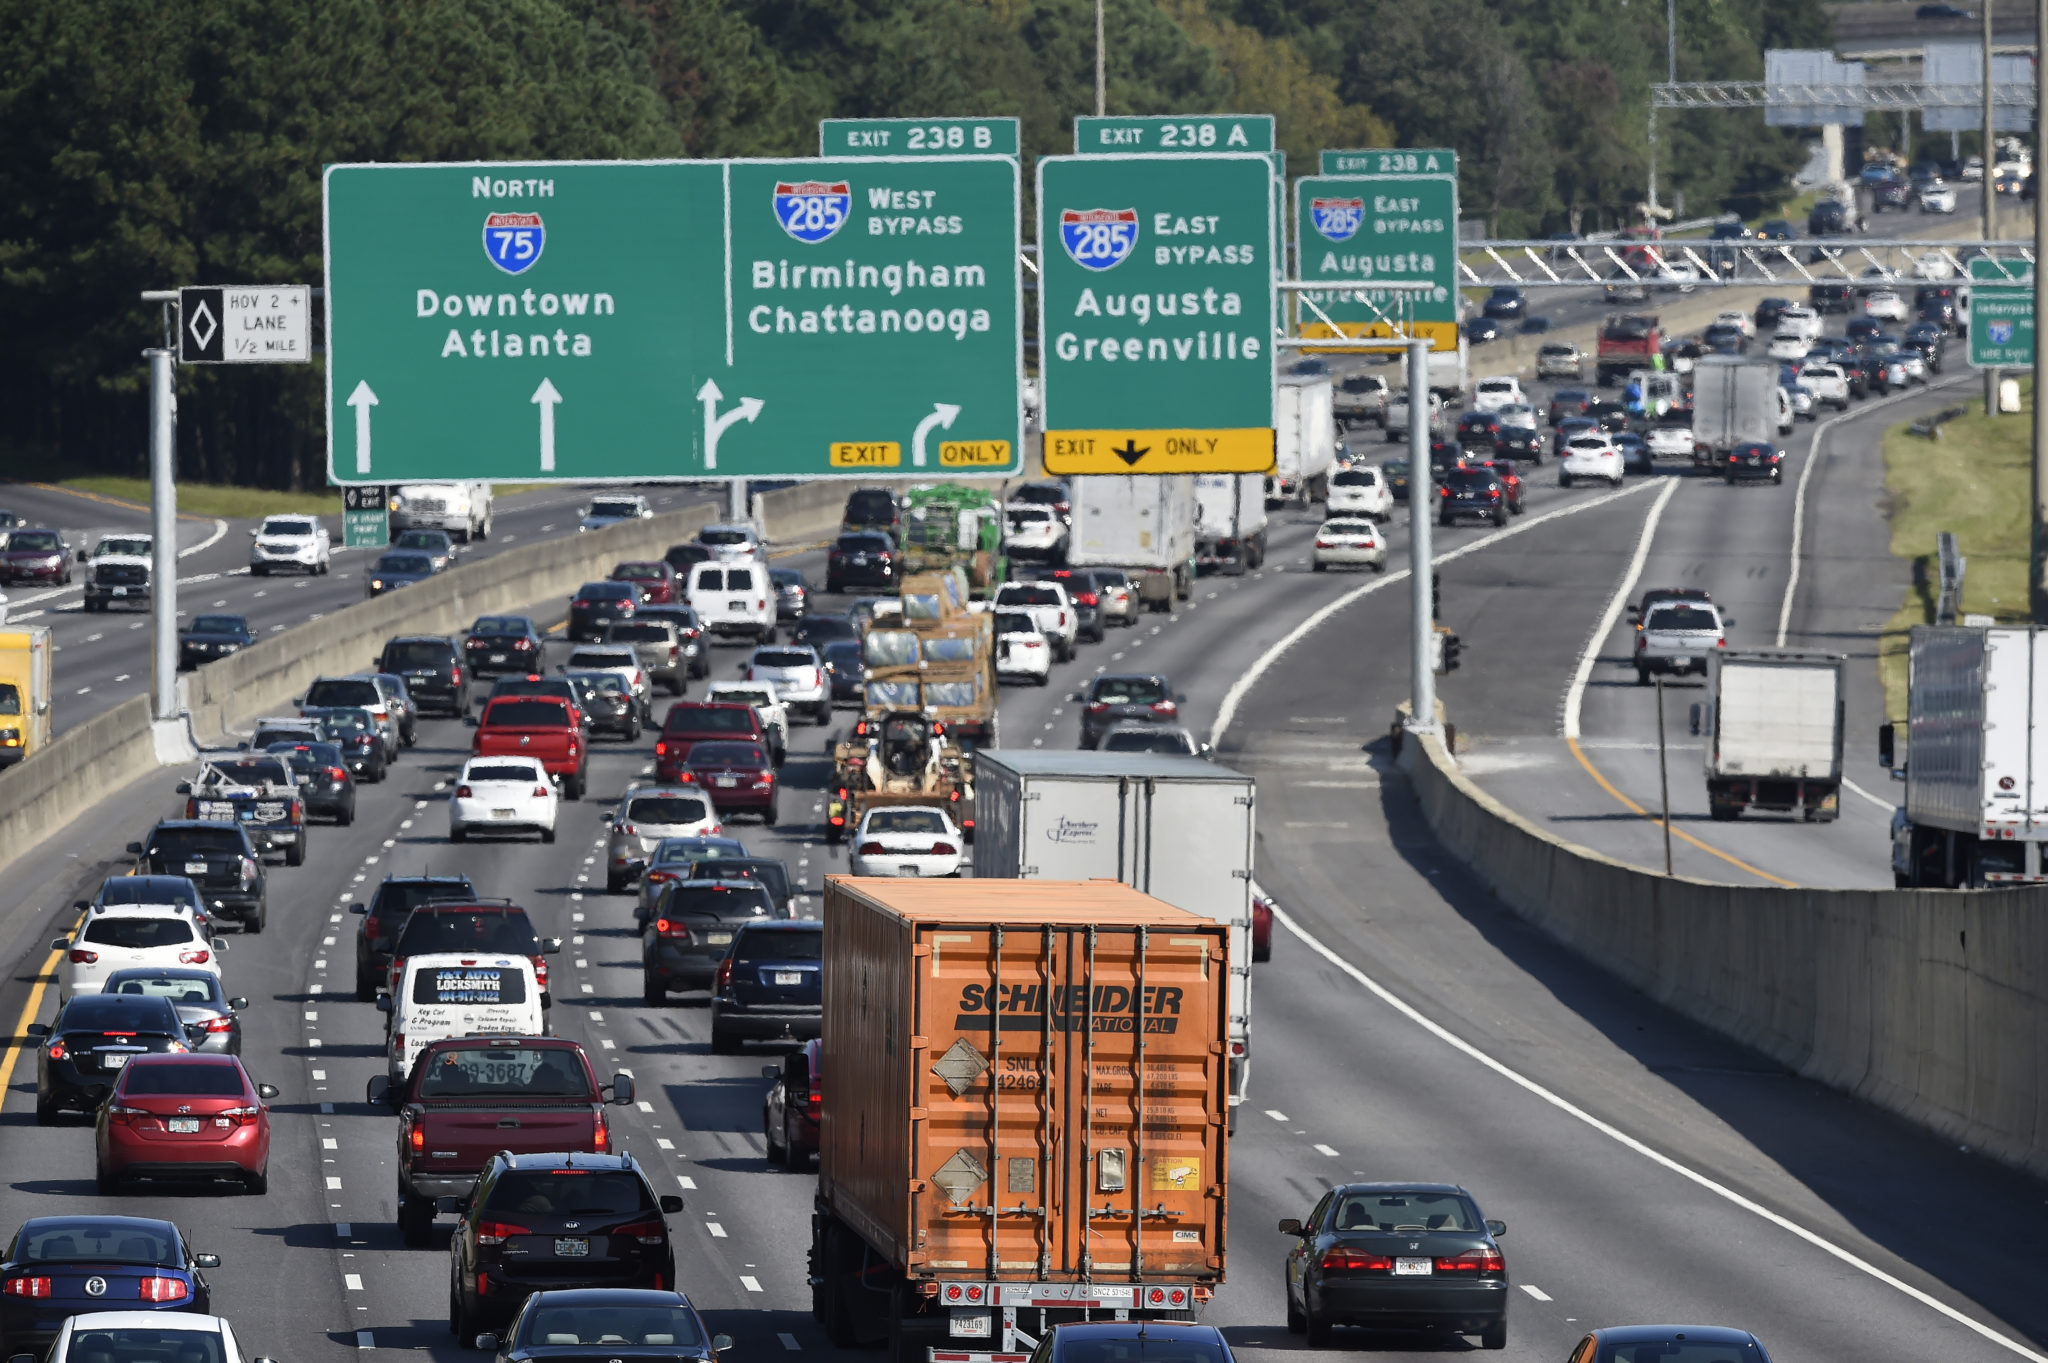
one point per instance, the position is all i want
(514, 241)
(1099, 238)
(812, 210)
(1337, 219)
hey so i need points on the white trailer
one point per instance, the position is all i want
(1976, 759)
(1305, 439)
(1230, 521)
(1733, 401)
(1773, 725)
(1142, 523)
(1177, 828)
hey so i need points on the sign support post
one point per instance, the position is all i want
(2037, 540)
(163, 515)
(1421, 517)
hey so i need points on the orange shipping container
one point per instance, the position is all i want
(1025, 1090)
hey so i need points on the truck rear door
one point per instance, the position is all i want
(462, 1138)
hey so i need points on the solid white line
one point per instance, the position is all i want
(220, 527)
(1538, 1293)
(1575, 694)
(1243, 685)
(1886, 805)
(1629, 1142)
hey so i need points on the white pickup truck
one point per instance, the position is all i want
(1827, 383)
(1047, 605)
(462, 509)
(118, 570)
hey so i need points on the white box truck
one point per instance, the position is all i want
(1976, 759)
(1733, 401)
(1142, 523)
(462, 509)
(1177, 828)
(1773, 724)
(1230, 522)
(1305, 439)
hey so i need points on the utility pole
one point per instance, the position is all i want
(163, 508)
(2037, 560)
(1101, 77)
(1421, 515)
(1989, 188)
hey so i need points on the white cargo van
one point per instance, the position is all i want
(453, 993)
(734, 598)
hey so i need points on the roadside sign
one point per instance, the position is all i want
(1156, 313)
(595, 321)
(1174, 133)
(1357, 229)
(1986, 270)
(2001, 327)
(918, 136)
(245, 324)
(1390, 161)
(365, 517)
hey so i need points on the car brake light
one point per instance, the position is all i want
(1089, 599)
(498, 1232)
(224, 1023)
(579, 604)
(1098, 707)
(646, 1232)
(943, 849)
(1486, 1260)
(873, 849)
(338, 773)
(194, 956)
(28, 1287)
(416, 1135)
(661, 750)
(724, 975)
(540, 792)
(1164, 707)
(57, 1051)
(464, 793)
(1345, 1258)
(601, 1137)
(80, 956)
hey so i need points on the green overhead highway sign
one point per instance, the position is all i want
(2001, 314)
(1361, 228)
(1156, 313)
(1175, 133)
(1390, 161)
(917, 136)
(590, 321)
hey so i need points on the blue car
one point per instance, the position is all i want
(137, 1263)
(399, 569)
(770, 987)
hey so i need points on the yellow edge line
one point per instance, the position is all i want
(1608, 786)
(121, 502)
(19, 1042)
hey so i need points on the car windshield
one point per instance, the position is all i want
(219, 624)
(245, 771)
(779, 944)
(480, 985)
(1128, 691)
(694, 848)
(341, 722)
(422, 539)
(640, 570)
(1679, 1351)
(501, 624)
(606, 591)
(638, 631)
(144, 1344)
(1027, 595)
(838, 653)
(1404, 1211)
(861, 544)
(527, 714)
(34, 541)
(194, 987)
(580, 1192)
(1683, 619)
(1362, 383)
(201, 1080)
(1147, 739)
(666, 809)
(1469, 479)
(421, 654)
(1014, 622)
(343, 691)
(173, 843)
(603, 657)
(743, 695)
(505, 1071)
(608, 1327)
(404, 563)
(127, 1241)
(401, 897)
(1363, 528)
(870, 505)
(601, 507)
(521, 772)
(428, 931)
(727, 755)
(137, 934)
(906, 821)
(720, 719)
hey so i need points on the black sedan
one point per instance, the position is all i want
(1116, 697)
(690, 930)
(1479, 330)
(860, 559)
(325, 782)
(1611, 415)
(1754, 459)
(1670, 1344)
(93, 1036)
(502, 643)
(626, 1323)
(1397, 1256)
(843, 666)
(212, 636)
(400, 568)
(142, 1263)
(1506, 303)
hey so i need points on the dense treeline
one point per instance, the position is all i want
(144, 145)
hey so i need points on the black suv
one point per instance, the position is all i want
(541, 1222)
(1472, 492)
(385, 914)
(502, 643)
(770, 986)
(1123, 697)
(689, 930)
(325, 783)
(863, 558)
(216, 857)
(432, 668)
(875, 509)
(596, 605)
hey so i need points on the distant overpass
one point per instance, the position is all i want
(1889, 31)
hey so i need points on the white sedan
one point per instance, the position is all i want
(1350, 543)
(1022, 651)
(1033, 531)
(125, 936)
(1884, 304)
(1670, 440)
(1788, 345)
(1938, 199)
(1736, 318)
(906, 840)
(1591, 455)
(503, 795)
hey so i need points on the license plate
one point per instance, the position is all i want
(113, 1062)
(1681, 662)
(725, 782)
(195, 868)
(973, 1324)
(718, 939)
(571, 1247)
(185, 1126)
(789, 977)
(502, 813)
(120, 591)
(497, 657)
(736, 605)
(1411, 1268)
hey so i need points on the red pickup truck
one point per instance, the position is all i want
(1628, 342)
(546, 727)
(470, 1097)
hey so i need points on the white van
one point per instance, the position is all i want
(455, 993)
(734, 598)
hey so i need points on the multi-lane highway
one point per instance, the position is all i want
(1405, 1028)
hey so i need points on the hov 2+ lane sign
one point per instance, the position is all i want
(917, 136)
(245, 324)
(592, 321)
(1156, 313)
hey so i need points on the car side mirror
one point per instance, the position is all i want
(185, 787)
(1727, 620)
(378, 1090)
(1887, 745)
(383, 1003)
(238, 1003)
(221, 947)
(363, 909)
(1180, 698)
(1496, 1228)
(771, 1071)
(80, 905)
(470, 721)
(1077, 698)
(266, 1091)
(551, 946)
(38, 1029)
(622, 1089)
(487, 1341)
(31, 1358)
(298, 700)
(135, 849)
(1290, 1226)
(60, 944)
(721, 1343)
(670, 1204)
(206, 1261)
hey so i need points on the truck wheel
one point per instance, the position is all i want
(260, 921)
(416, 1222)
(295, 855)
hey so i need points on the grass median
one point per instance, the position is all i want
(213, 499)
(1975, 482)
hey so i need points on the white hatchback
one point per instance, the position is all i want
(1590, 455)
(1022, 651)
(125, 936)
(503, 795)
(1496, 391)
(1361, 490)
(906, 840)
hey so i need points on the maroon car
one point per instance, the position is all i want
(738, 777)
(655, 579)
(693, 722)
(34, 556)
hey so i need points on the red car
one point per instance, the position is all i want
(789, 1112)
(655, 579)
(738, 777)
(693, 722)
(1262, 928)
(193, 1118)
(535, 726)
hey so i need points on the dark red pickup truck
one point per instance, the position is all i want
(469, 1098)
(546, 727)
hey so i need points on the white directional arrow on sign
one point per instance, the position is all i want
(715, 425)
(547, 397)
(362, 399)
(942, 415)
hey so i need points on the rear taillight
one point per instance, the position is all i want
(57, 1051)
(338, 773)
(601, 1138)
(1345, 1259)
(1089, 599)
(873, 849)
(464, 793)
(540, 792)
(579, 604)
(664, 925)
(522, 645)
(223, 1023)
(1164, 707)
(27, 1287)
(943, 849)
(415, 1135)
(1098, 707)
(646, 1232)
(661, 749)
(498, 1232)
(1485, 1261)
(80, 956)
(724, 975)
(194, 956)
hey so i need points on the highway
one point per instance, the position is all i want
(1405, 1028)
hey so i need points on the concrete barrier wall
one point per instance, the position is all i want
(74, 770)
(1932, 1003)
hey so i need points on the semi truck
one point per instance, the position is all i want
(1144, 524)
(1975, 762)
(1305, 439)
(1733, 401)
(24, 692)
(1021, 1122)
(1773, 725)
(1177, 827)
(1230, 522)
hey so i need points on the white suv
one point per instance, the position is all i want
(122, 936)
(1047, 605)
(734, 598)
(1021, 649)
(798, 676)
(1591, 455)
(1496, 391)
(1361, 490)
(1827, 383)
(296, 542)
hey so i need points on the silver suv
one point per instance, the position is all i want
(1677, 637)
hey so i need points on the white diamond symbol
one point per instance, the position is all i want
(203, 324)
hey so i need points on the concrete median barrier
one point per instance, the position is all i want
(1932, 1003)
(73, 771)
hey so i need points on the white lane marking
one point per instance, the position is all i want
(1887, 806)
(1326, 1150)
(589, 988)
(312, 1016)
(314, 989)
(646, 1106)
(606, 1042)
(687, 1182)
(333, 1183)
(312, 1041)
(752, 1284)
(596, 1016)
(329, 1143)
(1622, 1138)
(1243, 685)
(1276, 1114)
(319, 1074)
(789, 1343)
(1538, 1293)
(664, 1142)
(354, 1281)
(717, 1231)
(220, 528)
(1575, 694)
